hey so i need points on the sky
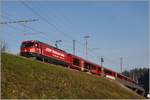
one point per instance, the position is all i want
(116, 29)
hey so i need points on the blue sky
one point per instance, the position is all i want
(116, 29)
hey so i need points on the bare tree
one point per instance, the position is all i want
(3, 46)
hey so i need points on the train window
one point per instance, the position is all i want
(93, 67)
(107, 72)
(119, 76)
(27, 44)
(76, 61)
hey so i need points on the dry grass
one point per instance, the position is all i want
(24, 78)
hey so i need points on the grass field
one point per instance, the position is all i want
(26, 78)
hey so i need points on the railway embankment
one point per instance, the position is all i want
(26, 78)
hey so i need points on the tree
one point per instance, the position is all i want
(142, 75)
(4, 46)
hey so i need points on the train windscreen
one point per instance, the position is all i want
(27, 44)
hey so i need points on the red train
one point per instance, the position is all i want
(50, 54)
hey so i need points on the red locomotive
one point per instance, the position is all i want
(42, 51)
(50, 54)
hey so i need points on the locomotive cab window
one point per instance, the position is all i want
(76, 61)
(27, 44)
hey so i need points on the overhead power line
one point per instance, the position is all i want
(24, 22)
(32, 29)
(55, 27)
(51, 24)
(19, 21)
(44, 19)
(35, 31)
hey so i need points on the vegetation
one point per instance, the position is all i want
(26, 78)
(141, 75)
(3, 46)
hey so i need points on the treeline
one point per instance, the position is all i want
(141, 75)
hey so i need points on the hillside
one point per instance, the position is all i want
(26, 78)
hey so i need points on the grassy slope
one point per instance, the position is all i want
(25, 78)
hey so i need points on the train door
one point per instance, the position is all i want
(93, 69)
(87, 66)
(76, 63)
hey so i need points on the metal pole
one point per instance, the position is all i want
(133, 76)
(102, 69)
(121, 63)
(74, 47)
(24, 28)
(86, 46)
(56, 44)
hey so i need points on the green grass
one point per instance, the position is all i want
(26, 78)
